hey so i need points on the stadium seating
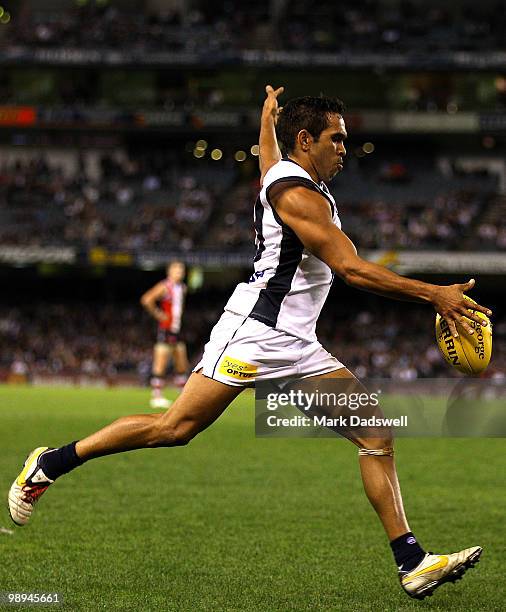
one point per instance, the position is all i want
(301, 25)
(114, 339)
(155, 209)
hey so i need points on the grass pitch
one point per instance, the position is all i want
(233, 522)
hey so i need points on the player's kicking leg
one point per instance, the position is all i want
(420, 573)
(201, 402)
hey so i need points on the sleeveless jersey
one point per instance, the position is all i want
(172, 306)
(289, 285)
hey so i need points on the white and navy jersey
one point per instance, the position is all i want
(289, 285)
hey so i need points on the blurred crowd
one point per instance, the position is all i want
(492, 236)
(142, 203)
(299, 25)
(93, 339)
(97, 339)
(136, 204)
(399, 26)
(78, 338)
(414, 225)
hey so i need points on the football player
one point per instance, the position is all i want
(165, 303)
(267, 330)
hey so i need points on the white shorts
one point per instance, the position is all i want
(241, 351)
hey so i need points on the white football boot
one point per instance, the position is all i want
(435, 570)
(28, 487)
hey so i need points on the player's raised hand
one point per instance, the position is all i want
(269, 153)
(450, 303)
(271, 106)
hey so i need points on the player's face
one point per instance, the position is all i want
(176, 271)
(328, 152)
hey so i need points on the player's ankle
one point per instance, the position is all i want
(157, 382)
(407, 552)
(60, 461)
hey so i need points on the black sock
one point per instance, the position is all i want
(60, 461)
(407, 552)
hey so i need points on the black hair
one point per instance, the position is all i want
(310, 113)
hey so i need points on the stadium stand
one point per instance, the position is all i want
(136, 199)
(152, 202)
(301, 25)
(113, 340)
(136, 204)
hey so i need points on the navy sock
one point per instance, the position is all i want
(407, 552)
(60, 461)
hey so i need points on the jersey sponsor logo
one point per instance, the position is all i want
(234, 368)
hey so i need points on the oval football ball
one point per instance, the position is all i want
(469, 354)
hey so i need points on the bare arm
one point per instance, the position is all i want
(150, 301)
(268, 143)
(308, 214)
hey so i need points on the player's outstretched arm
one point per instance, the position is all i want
(150, 301)
(269, 153)
(308, 214)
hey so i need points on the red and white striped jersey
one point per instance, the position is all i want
(172, 305)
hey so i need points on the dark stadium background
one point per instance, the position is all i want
(126, 135)
(127, 139)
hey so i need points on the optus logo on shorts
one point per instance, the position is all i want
(237, 369)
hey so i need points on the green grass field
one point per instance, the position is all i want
(232, 522)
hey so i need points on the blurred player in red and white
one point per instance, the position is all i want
(165, 303)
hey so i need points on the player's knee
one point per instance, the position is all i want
(183, 434)
(172, 434)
